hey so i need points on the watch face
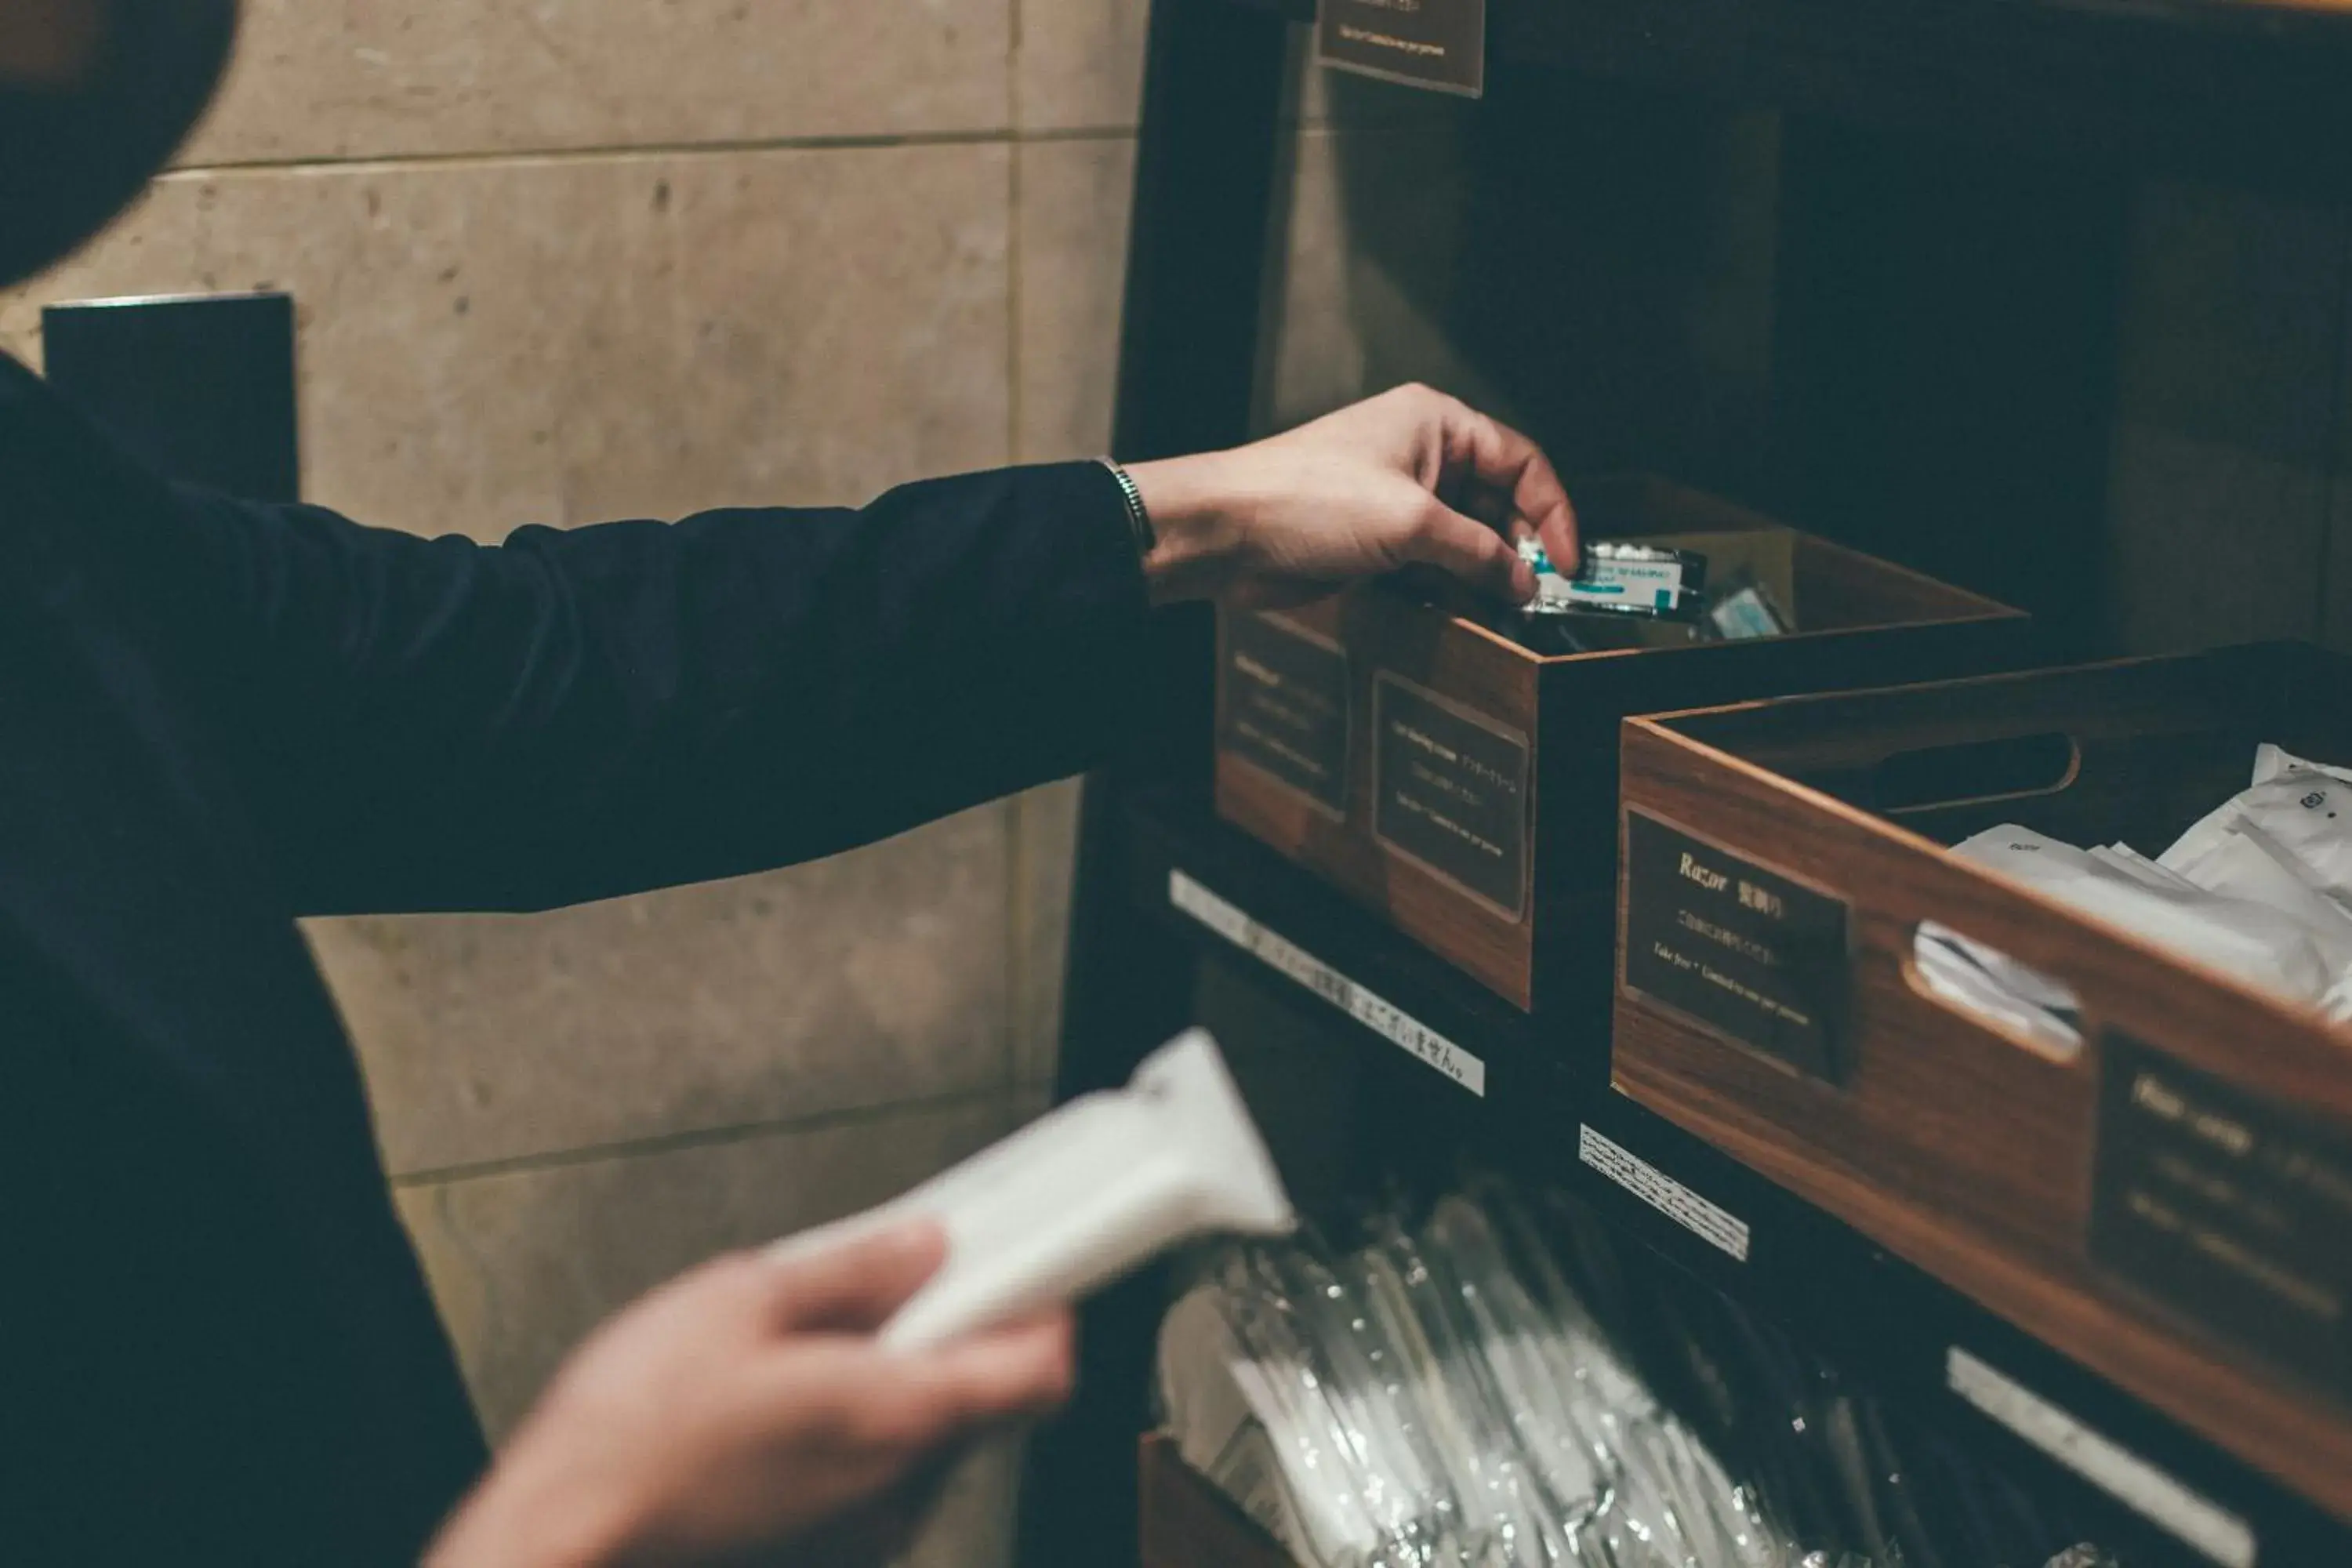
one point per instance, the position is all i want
(94, 96)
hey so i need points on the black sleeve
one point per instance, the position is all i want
(437, 724)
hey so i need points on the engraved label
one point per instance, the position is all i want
(2228, 1208)
(1716, 1225)
(1451, 792)
(1744, 949)
(1436, 44)
(1285, 706)
(1384, 1018)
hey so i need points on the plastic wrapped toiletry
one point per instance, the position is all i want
(1340, 1488)
(2300, 808)
(1083, 1195)
(1620, 577)
(1440, 1398)
(1528, 1524)
(2242, 862)
(2253, 941)
(1413, 1505)
(1229, 1424)
(2270, 761)
(1741, 608)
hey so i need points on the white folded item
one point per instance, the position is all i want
(2138, 867)
(2254, 941)
(2272, 761)
(2301, 807)
(1082, 1195)
(2242, 862)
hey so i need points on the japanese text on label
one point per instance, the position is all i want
(1384, 1018)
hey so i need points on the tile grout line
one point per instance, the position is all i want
(1014, 161)
(390, 163)
(1017, 817)
(1017, 957)
(1017, 900)
(695, 1138)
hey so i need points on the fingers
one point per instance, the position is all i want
(856, 1286)
(1500, 458)
(910, 1405)
(1469, 549)
(1006, 1374)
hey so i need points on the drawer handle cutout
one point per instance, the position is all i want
(2008, 768)
(2013, 999)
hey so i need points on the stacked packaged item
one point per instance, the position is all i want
(1624, 581)
(2261, 888)
(1441, 1395)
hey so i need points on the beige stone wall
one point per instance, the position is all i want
(562, 262)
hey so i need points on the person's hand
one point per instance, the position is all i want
(746, 1407)
(1409, 478)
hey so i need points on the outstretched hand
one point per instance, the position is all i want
(746, 1407)
(1409, 478)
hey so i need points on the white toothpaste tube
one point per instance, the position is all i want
(1082, 1195)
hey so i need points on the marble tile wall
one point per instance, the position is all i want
(566, 263)
(2229, 457)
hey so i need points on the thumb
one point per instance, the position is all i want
(855, 1286)
(1469, 549)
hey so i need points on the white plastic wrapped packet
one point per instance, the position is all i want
(1667, 1503)
(1529, 1523)
(2304, 808)
(2123, 857)
(1531, 1381)
(1410, 1499)
(2252, 941)
(1083, 1195)
(1467, 1470)
(1231, 1425)
(1441, 1336)
(1549, 1401)
(2270, 761)
(2242, 862)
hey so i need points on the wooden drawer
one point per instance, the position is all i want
(2172, 1204)
(1464, 786)
(1187, 1523)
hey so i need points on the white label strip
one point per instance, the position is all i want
(2124, 1475)
(1384, 1018)
(1716, 1225)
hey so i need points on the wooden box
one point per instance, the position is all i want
(1186, 1523)
(2170, 1202)
(1466, 786)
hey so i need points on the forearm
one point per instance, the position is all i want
(1198, 520)
(441, 725)
(516, 1520)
